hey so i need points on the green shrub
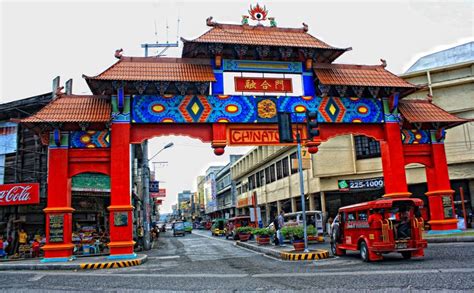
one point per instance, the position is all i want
(263, 232)
(297, 232)
(244, 230)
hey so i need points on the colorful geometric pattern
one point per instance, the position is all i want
(415, 136)
(250, 109)
(90, 139)
(262, 66)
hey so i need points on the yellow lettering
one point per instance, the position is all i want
(250, 84)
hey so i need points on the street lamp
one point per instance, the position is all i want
(165, 147)
(146, 191)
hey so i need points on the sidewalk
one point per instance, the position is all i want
(286, 252)
(464, 236)
(80, 263)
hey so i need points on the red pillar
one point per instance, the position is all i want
(58, 247)
(393, 162)
(121, 218)
(440, 194)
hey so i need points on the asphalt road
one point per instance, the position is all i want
(205, 263)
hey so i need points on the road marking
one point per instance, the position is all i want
(358, 273)
(213, 238)
(35, 278)
(164, 257)
(223, 276)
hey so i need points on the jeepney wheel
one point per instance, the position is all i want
(364, 251)
(406, 254)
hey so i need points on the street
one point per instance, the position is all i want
(201, 262)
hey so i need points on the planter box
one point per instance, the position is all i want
(298, 245)
(263, 240)
(244, 236)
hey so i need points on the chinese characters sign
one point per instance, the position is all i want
(256, 84)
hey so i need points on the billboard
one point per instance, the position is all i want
(19, 194)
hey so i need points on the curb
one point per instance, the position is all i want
(450, 239)
(316, 255)
(74, 266)
(114, 264)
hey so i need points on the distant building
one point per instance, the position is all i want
(23, 159)
(225, 189)
(210, 191)
(449, 78)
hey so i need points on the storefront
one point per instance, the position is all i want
(90, 199)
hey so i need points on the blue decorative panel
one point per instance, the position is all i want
(250, 109)
(90, 139)
(262, 66)
(218, 85)
(415, 136)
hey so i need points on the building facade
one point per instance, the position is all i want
(348, 169)
(226, 193)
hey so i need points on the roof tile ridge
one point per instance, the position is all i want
(393, 74)
(347, 66)
(110, 67)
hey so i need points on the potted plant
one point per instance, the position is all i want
(296, 234)
(312, 234)
(244, 233)
(263, 235)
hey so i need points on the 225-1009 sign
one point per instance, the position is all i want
(360, 184)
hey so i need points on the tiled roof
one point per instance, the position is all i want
(157, 69)
(260, 35)
(73, 109)
(419, 111)
(358, 75)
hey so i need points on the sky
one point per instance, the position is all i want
(41, 40)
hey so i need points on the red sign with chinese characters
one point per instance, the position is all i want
(19, 193)
(257, 84)
(258, 136)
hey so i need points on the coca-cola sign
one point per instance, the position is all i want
(19, 193)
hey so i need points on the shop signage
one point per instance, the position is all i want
(19, 193)
(255, 84)
(258, 136)
(120, 219)
(160, 193)
(154, 186)
(56, 228)
(360, 184)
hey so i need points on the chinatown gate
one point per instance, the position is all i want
(227, 89)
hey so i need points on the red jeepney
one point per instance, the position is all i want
(378, 227)
(234, 223)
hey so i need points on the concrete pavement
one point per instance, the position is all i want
(205, 263)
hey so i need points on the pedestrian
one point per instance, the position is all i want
(140, 234)
(277, 229)
(375, 219)
(2, 247)
(281, 224)
(35, 248)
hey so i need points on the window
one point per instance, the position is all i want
(279, 169)
(267, 175)
(286, 168)
(251, 182)
(366, 147)
(363, 216)
(260, 178)
(350, 217)
(272, 173)
(293, 159)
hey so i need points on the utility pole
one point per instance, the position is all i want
(303, 203)
(146, 196)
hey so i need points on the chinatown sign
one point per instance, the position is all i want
(19, 193)
(257, 136)
(255, 84)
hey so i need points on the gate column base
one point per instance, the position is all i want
(439, 223)
(59, 251)
(121, 231)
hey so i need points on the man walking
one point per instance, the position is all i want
(281, 224)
